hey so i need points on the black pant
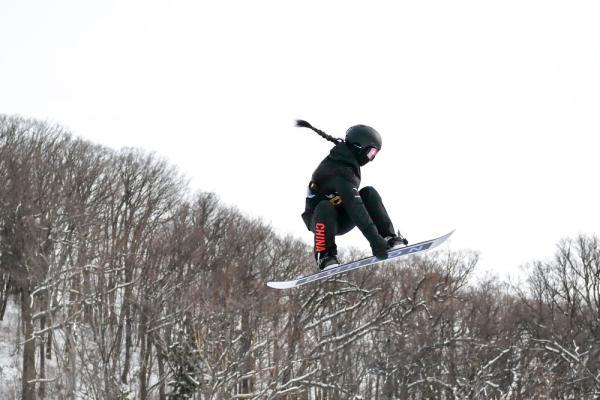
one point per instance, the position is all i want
(329, 220)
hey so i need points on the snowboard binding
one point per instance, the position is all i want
(396, 241)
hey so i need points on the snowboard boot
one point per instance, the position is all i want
(326, 260)
(396, 241)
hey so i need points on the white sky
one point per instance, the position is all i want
(489, 110)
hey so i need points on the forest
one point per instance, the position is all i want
(117, 282)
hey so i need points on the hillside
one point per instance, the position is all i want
(119, 283)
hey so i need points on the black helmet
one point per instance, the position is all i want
(363, 136)
(364, 141)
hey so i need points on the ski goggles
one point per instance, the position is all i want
(371, 153)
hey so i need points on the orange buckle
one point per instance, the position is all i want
(336, 201)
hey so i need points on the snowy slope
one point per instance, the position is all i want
(10, 354)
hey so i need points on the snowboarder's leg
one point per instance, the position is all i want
(324, 225)
(344, 222)
(377, 211)
(380, 217)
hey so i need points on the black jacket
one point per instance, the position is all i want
(339, 175)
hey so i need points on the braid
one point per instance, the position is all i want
(303, 124)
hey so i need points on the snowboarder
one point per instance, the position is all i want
(334, 203)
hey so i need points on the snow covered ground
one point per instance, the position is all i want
(11, 359)
(10, 354)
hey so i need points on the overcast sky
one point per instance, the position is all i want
(489, 110)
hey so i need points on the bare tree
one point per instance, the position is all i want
(134, 288)
(563, 317)
(31, 175)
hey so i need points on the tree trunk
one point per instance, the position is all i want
(71, 367)
(44, 303)
(145, 353)
(161, 375)
(247, 384)
(42, 358)
(4, 286)
(128, 325)
(28, 386)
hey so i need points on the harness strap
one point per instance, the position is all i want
(334, 199)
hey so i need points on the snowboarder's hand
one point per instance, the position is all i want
(379, 246)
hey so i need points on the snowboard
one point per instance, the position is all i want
(392, 254)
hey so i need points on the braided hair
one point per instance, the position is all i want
(303, 124)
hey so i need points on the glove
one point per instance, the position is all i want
(380, 247)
